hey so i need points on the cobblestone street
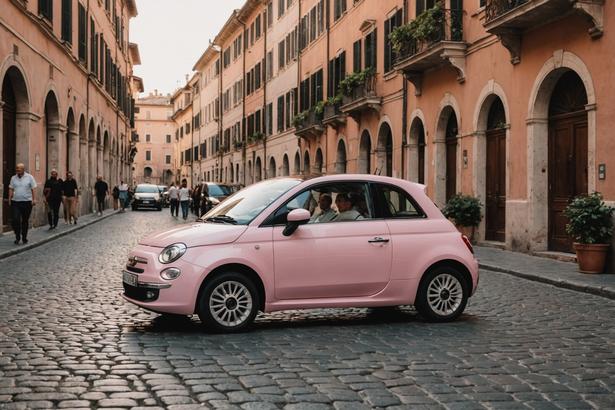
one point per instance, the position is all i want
(68, 340)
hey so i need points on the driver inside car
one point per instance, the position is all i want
(327, 214)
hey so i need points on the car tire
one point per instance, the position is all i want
(221, 310)
(442, 295)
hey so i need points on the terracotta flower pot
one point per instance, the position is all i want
(467, 231)
(591, 257)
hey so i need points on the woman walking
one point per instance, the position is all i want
(184, 198)
(123, 196)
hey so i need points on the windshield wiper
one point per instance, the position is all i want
(221, 218)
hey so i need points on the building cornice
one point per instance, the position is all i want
(230, 27)
(210, 54)
(135, 56)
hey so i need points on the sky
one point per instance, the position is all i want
(172, 35)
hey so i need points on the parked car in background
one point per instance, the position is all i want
(147, 196)
(286, 243)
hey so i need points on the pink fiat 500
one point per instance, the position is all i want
(286, 243)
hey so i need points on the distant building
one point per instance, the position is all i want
(155, 140)
(67, 87)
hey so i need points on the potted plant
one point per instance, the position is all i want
(591, 227)
(465, 212)
(300, 119)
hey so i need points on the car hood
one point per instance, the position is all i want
(198, 234)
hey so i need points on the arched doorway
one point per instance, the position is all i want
(340, 162)
(92, 167)
(417, 152)
(384, 150)
(318, 161)
(446, 155)
(106, 157)
(237, 179)
(306, 163)
(71, 154)
(14, 131)
(451, 155)
(52, 132)
(567, 156)
(365, 152)
(250, 180)
(495, 174)
(258, 170)
(168, 176)
(297, 167)
(83, 153)
(147, 173)
(232, 173)
(285, 166)
(271, 173)
(99, 155)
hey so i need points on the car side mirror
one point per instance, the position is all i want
(296, 218)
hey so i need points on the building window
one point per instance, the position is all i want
(258, 27)
(270, 14)
(83, 35)
(356, 56)
(67, 21)
(168, 138)
(148, 155)
(389, 54)
(337, 72)
(339, 8)
(45, 9)
(148, 138)
(281, 5)
(281, 113)
(371, 51)
(167, 159)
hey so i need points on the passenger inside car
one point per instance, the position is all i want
(346, 210)
(326, 214)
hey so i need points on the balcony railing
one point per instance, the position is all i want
(333, 116)
(508, 19)
(309, 124)
(363, 97)
(444, 44)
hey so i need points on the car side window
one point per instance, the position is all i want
(394, 202)
(327, 203)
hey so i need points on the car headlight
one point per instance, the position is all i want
(172, 253)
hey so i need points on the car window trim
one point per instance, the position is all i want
(380, 213)
(267, 224)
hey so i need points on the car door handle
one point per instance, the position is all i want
(378, 239)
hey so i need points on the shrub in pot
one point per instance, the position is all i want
(591, 227)
(465, 212)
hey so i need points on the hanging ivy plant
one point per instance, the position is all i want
(424, 28)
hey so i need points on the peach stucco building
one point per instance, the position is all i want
(500, 100)
(154, 162)
(67, 87)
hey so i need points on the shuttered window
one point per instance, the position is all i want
(371, 50)
(83, 35)
(67, 21)
(45, 9)
(389, 53)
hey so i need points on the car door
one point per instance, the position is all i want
(331, 259)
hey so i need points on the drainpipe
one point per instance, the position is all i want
(264, 123)
(243, 96)
(299, 51)
(404, 115)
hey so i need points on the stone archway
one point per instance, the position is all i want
(340, 160)
(92, 166)
(148, 173)
(384, 151)
(15, 109)
(99, 155)
(258, 170)
(53, 130)
(297, 164)
(542, 126)
(416, 169)
(285, 166)
(106, 156)
(318, 162)
(306, 163)
(365, 153)
(447, 134)
(272, 171)
(250, 179)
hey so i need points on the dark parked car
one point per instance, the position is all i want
(147, 196)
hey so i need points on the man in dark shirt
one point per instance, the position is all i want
(53, 198)
(101, 189)
(70, 199)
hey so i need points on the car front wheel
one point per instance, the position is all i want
(442, 294)
(229, 303)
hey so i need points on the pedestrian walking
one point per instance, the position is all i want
(101, 190)
(196, 199)
(205, 204)
(116, 197)
(123, 196)
(184, 198)
(174, 200)
(21, 201)
(53, 198)
(70, 198)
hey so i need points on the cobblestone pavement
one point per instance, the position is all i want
(67, 340)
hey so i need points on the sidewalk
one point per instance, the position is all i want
(40, 235)
(554, 272)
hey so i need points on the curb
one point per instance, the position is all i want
(603, 292)
(21, 249)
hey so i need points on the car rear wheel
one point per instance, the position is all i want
(229, 303)
(442, 295)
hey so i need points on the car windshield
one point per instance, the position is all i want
(219, 190)
(245, 205)
(147, 189)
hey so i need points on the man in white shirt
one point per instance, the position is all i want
(21, 201)
(174, 200)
